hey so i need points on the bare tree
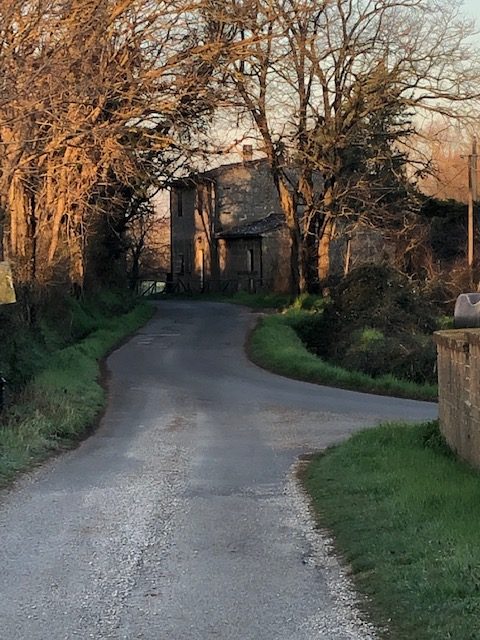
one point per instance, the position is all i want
(337, 86)
(146, 236)
(96, 97)
(447, 146)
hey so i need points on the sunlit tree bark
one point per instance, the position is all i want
(95, 94)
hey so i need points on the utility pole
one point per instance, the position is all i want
(472, 198)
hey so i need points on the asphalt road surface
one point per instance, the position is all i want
(180, 519)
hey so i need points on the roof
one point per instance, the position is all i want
(254, 229)
(210, 175)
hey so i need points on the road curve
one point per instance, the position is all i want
(179, 518)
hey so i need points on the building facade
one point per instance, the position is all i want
(228, 232)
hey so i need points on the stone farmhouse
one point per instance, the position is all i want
(228, 232)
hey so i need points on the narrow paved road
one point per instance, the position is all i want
(179, 518)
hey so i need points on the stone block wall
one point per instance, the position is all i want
(244, 193)
(459, 391)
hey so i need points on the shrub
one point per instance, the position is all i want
(384, 299)
(376, 322)
(411, 357)
(309, 302)
(62, 399)
(37, 325)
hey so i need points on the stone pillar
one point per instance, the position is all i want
(459, 391)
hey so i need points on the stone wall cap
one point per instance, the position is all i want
(457, 338)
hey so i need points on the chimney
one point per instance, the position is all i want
(247, 151)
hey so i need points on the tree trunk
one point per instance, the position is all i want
(309, 228)
(326, 230)
(135, 269)
(297, 267)
(324, 248)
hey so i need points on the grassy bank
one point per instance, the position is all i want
(62, 399)
(404, 514)
(275, 345)
(277, 301)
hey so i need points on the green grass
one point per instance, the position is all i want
(259, 300)
(275, 345)
(254, 300)
(63, 399)
(278, 301)
(405, 515)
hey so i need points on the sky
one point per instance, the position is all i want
(472, 8)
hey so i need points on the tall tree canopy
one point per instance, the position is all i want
(100, 96)
(337, 86)
(96, 97)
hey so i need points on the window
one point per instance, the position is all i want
(179, 204)
(213, 198)
(250, 260)
(180, 264)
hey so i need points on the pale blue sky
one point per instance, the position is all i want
(472, 8)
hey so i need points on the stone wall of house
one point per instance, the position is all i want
(191, 241)
(360, 245)
(183, 230)
(244, 193)
(459, 391)
(240, 264)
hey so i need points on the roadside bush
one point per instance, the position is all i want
(376, 323)
(411, 357)
(276, 346)
(22, 348)
(313, 330)
(61, 400)
(384, 299)
(309, 302)
(38, 325)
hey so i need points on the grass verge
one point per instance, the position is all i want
(62, 400)
(275, 346)
(404, 514)
(254, 300)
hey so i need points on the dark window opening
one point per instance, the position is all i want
(181, 264)
(250, 260)
(179, 204)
